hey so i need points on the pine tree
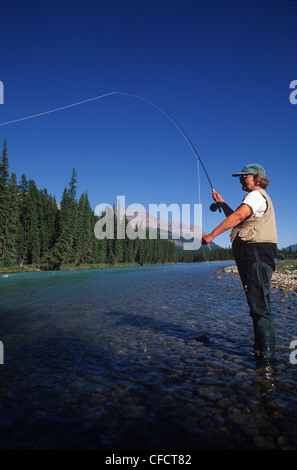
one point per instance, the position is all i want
(128, 246)
(4, 173)
(36, 229)
(4, 177)
(101, 251)
(82, 244)
(50, 211)
(24, 219)
(12, 227)
(118, 245)
(72, 190)
(61, 252)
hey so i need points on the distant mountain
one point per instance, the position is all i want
(291, 247)
(178, 232)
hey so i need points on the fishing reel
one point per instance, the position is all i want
(215, 206)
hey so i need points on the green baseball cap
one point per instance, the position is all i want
(252, 169)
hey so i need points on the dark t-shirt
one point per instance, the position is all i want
(244, 252)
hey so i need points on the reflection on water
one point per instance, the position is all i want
(155, 357)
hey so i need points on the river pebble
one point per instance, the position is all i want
(168, 365)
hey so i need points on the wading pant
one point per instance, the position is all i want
(256, 279)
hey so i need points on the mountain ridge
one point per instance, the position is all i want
(177, 231)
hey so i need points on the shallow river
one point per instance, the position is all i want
(109, 359)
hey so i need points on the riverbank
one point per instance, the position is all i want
(65, 267)
(284, 277)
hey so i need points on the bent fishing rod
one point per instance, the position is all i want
(175, 123)
(213, 206)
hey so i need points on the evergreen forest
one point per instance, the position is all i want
(38, 232)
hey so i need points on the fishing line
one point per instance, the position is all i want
(56, 109)
(120, 93)
(198, 177)
(199, 161)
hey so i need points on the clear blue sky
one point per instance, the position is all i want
(222, 69)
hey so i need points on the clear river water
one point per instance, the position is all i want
(148, 357)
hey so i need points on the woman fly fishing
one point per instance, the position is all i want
(253, 238)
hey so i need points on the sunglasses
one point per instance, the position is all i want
(243, 177)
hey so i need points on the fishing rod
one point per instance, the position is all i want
(175, 123)
(212, 207)
(215, 205)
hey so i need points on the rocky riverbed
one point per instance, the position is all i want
(143, 358)
(284, 281)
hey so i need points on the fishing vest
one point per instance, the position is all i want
(257, 229)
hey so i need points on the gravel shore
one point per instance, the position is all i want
(284, 281)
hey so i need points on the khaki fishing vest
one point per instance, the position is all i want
(258, 229)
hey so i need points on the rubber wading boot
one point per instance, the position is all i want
(265, 349)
